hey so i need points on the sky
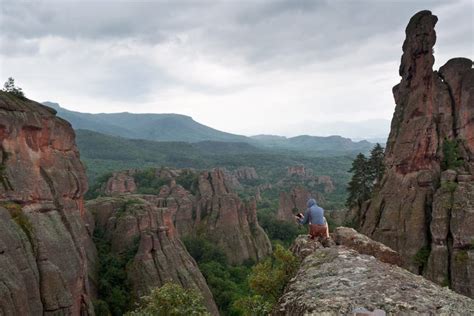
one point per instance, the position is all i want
(245, 67)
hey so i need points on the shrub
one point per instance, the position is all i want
(421, 257)
(451, 158)
(254, 305)
(269, 278)
(113, 286)
(171, 300)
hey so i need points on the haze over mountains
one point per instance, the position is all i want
(181, 128)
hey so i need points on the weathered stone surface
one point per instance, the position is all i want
(160, 257)
(121, 183)
(45, 246)
(217, 213)
(350, 238)
(338, 280)
(246, 173)
(292, 203)
(226, 220)
(296, 171)
(419, 206)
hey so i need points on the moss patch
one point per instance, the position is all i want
(19, 217)
(461, 257)
(421, 257)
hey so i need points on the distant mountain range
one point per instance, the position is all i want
(181, 128)
(156, 127)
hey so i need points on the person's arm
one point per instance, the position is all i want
(305, 219)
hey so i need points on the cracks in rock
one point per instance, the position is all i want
(3, 166)
(380, 215)
(453, 105)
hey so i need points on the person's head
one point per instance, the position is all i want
(311, 202)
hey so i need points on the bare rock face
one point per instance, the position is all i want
(44, 244)
(121, 183)
(421, 211)
(132, 222)
(290, 203)
(296, 171)
(246, 173)
(217, 213)
(337, 280)
(327, 182)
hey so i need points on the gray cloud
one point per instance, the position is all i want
(197, 57)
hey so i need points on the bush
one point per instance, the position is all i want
(451, 157)
(227, 283)
(269, 277)
(188, 180)
(148, 182)
(113, 286)
(254, 305)
(422, 256)
(278, 230)
(9, 86)
(171, 300)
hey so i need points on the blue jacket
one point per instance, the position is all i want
(314, 214)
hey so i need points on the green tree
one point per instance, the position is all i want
(171, 300)
(269, 278)
(9, 86)
(360, 186)
(451, 156)
(376, 164)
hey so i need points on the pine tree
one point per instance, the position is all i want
(376, 164)
(9, 86)
(360, 186)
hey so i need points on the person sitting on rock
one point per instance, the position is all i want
(314, 216)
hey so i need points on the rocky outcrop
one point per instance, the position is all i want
(44, 244)
(338, 280)
(293, 202)
(296, 171)
(246, 173)
(217, 213)
(121, 183)
(131, 223)
(419, 210)
(350, 238)
(212, 210)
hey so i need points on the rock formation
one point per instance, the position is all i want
(44, 243)
(338, 280)
(121, 183)
(424, 207)
(293, 202)
(160, 256)
(246, 173)
(296, 171)
(216, 212)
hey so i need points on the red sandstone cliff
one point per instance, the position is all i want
(160, 257)
(218, 214)
(215, 212)
(419, 206)
(44, 244)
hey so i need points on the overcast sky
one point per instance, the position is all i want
(247, 67)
